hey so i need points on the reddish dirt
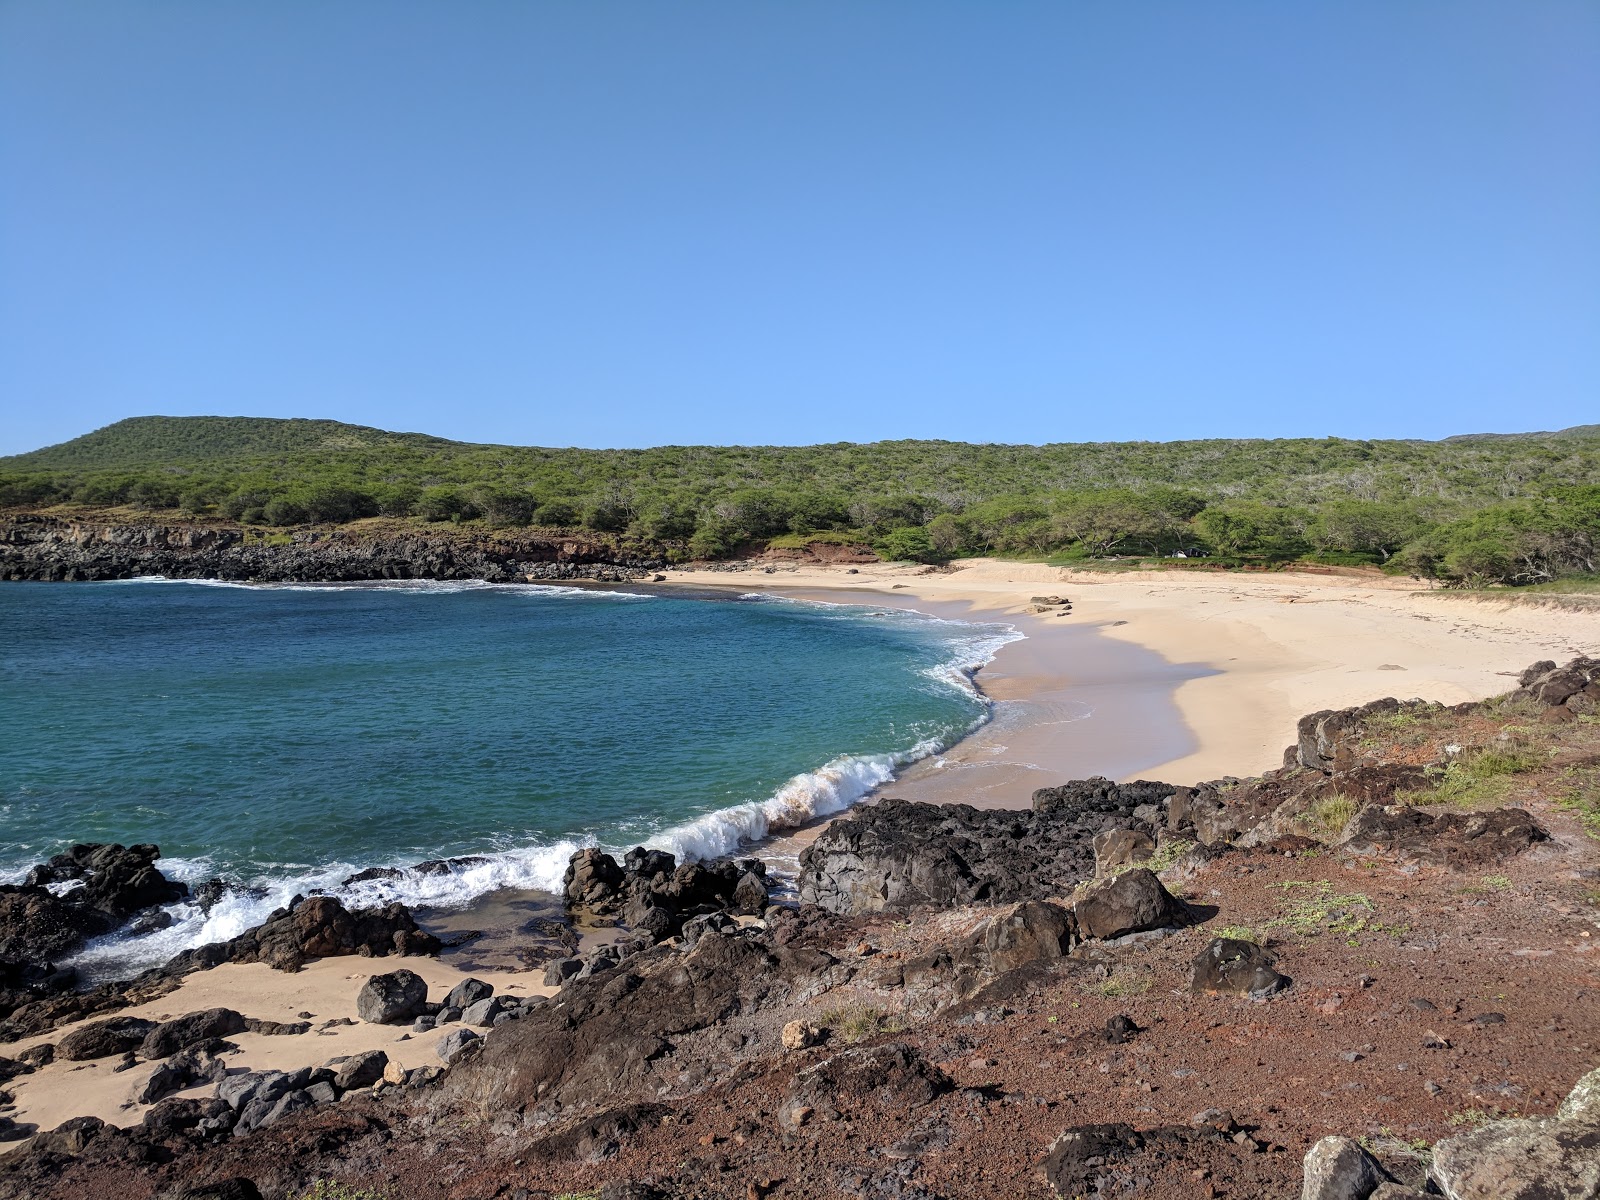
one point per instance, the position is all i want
(1423, 1001)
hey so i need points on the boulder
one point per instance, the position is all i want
(184, 1069)
(1234, 967)
(104, 1039)
(1534, 1159)
(592, 880)
(1337, 1168)
(393, 998)
(1034, 931)
(1132, 902)
(360, 1070)
(484, 1012)
(467, 993)
(750, 894)
(453, 1044)
(649, 863)
(1118, 847)
(169, 1037)
(260, 1113)
(558, 971)
(236, 1091)
(799, 1035)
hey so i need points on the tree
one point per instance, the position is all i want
(909, 543)
(1363, 526)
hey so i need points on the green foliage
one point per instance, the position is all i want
(1472, 511)
(854, 1022)
(908, 544)
(1316, 908)
(1327, 817)
(328, 1189)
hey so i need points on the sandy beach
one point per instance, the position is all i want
(1239, 657)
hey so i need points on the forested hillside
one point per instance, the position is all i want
(1476, 509)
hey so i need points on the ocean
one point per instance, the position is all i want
(285, 737)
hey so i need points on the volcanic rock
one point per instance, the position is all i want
(104, 1039)
(169, 1037)
(1337, 1168)
(1234, 967)
(391, 999)
(1132, 902)
(1459, 841)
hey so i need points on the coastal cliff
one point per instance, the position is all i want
(46, 547)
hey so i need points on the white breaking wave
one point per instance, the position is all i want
(420, 587)
(831, 788)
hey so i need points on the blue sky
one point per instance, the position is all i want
(613, 224)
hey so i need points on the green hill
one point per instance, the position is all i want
(149, 441)
(1515, 507)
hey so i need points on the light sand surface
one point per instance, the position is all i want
(325, 988)
(1245, 655)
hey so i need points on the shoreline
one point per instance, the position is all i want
(1249, 654)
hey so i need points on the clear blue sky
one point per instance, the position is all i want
(606, 223)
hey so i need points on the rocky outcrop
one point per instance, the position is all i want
(39, 547)
(1535, 1159)
(899, 854)
(612, 1035)
(1458, 841)
(650, 893)
(392, 998)
(315, 927)
(86, 891)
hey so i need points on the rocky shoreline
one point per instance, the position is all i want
(1224, 989)
(47, 548)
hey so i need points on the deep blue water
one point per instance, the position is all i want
(287, 736)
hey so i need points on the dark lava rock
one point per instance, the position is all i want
(1233, 967)
(592, 879)
(1131, 902)
(454, 1044)
(392, 999)
(1034, 931)
(315, 927)
(104, 1039)
(1459, 841)
(37, 546)
(169, 1037)
(899, 854)
(613, 1033)
(182, 1070)
(467, 993)
(113, 882)
(891, 1080)
(360, 1070)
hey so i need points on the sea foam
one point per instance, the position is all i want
(828, 789)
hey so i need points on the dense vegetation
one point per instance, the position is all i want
(1477, 510)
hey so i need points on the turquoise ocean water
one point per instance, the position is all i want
(284, 737)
